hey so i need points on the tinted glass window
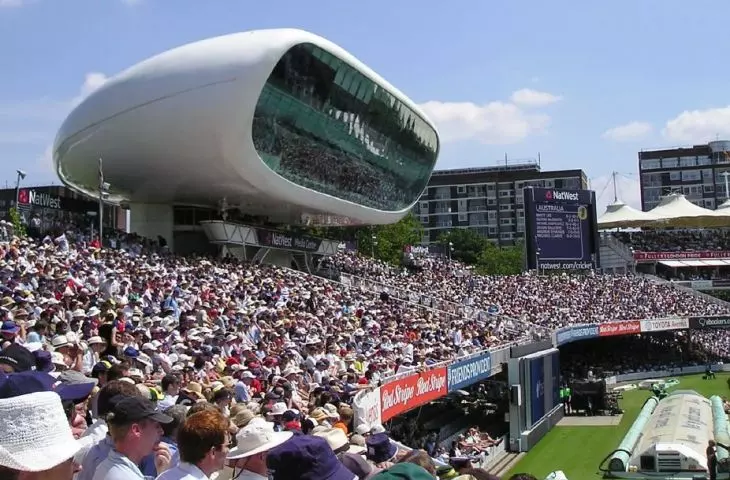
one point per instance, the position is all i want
(323, 125)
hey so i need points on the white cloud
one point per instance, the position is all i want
(628, 131)
(495, 123)
(628, 190)
(528, 97)
(92, 82)
(696, 126)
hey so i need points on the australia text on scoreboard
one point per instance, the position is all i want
(560, 229)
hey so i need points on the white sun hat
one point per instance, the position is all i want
(36, 435)
(256, 438)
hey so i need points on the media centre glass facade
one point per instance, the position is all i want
(322, 124)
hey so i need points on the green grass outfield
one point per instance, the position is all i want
(578, 451)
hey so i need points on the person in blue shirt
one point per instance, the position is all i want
(169, 436)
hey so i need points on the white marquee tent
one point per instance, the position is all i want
(676, 211)
(618, 215)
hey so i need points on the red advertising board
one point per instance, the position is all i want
(627, 327)
(698, 255)
(406, 393)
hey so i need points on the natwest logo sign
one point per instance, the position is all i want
(39, 199)
(619, 328)
(406, 393)
(558, 195)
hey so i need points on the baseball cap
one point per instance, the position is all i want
(18, 357)
(134, 409)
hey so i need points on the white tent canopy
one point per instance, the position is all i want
(618, 215)
(676, 211)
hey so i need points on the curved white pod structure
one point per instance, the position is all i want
(281, 123)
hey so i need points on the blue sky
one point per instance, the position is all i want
(586, 84)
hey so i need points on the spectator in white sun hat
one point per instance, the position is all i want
(36, 440)
(252, 444)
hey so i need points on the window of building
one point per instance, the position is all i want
(322, 124)
(463, 217)
(670, 162)
(687, 161)
(461, 189)
(709, 188)
(675, 176)
(650, 164)
(704, 160)
(691, 175)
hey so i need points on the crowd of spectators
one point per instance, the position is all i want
(140, 344)
(282, 349)
(532, 301)
(677, 240)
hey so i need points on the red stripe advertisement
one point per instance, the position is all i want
(699, 255)
(406, 393)
(611, 329)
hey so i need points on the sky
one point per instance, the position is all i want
(583, 84)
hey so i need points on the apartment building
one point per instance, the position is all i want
(487, 199)
(696, 172)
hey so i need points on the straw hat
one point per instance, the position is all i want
(338, 442)
(36, 435)
(256, 438)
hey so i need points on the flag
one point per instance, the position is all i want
(101, 176)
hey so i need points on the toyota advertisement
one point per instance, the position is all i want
(561, 229)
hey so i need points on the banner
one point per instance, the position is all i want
(366, 406)
(626, 327)
(572, 334)
(536, 367)
(287, 240)
(648, 256)
(406, 393)
(662, 324)
(718, 321)
(467, 372)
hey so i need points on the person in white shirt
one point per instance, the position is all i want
(203, 445)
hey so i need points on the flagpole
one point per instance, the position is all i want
(101, 203)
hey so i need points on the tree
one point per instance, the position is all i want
(494, 260)
(390, 240)
(467, 244)
(17, 221)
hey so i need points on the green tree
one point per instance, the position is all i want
(17, 221)
(494, 260)
(390, 240)
(466, 243)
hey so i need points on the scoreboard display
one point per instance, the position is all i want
(561, 232)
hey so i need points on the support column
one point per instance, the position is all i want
(152, 219)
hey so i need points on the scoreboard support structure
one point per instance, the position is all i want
(561, 230)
